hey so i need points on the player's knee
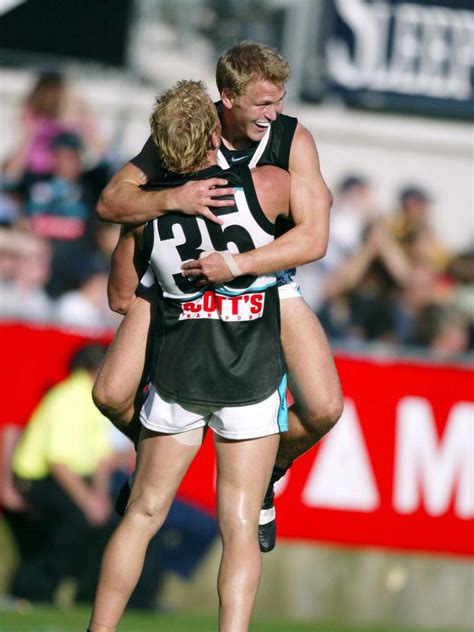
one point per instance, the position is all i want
(108, 399)
(236, 526)
(323, 417)
(147, 512)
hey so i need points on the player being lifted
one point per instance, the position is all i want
(220, 363)
(251, 80)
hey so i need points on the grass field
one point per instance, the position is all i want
(48, 619)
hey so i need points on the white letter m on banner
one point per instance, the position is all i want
(434, 469)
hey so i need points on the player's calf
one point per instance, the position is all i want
(304, 431)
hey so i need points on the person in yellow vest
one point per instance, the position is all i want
(61, 466)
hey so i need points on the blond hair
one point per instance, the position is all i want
(246, 61)
(182, 122)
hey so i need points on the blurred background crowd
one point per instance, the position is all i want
(389, 278)
(54, 254)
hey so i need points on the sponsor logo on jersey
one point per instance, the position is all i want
(243, 307)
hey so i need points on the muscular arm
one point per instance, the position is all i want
(310, 202)
(125, 202)
(125, 270)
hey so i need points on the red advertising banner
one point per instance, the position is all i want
(397, 471)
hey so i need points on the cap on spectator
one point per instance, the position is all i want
(414, 192)
(71, 140)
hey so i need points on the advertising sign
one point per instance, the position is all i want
(397, 471)
(415, 56)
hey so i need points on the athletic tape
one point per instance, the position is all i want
(192, 437)
(228, 259)
(267, 515)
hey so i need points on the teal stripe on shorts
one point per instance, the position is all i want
(283, 411)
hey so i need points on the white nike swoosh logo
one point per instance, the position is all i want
(233, 159)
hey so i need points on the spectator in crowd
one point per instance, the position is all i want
(350, 214)
(48, 110)
(40, 123)
(7, 254)
(412, 221)
(461, 271)
(25, 268)
(443, 330)
(45, 182)
(11, 207)
(61, 208)
(87, 307)
(393, 292)
(378, 292)
(62, 464)
(359, 301)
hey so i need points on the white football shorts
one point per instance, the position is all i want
(289, 290)
(161, 414)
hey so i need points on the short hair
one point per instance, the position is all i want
(247, 61)
(352, 181)
(182, 122)
(47, 96)
(89, 357)
(413, 192)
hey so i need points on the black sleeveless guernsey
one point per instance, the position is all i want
(220, 345)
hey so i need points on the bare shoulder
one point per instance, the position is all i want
(302, 137)
(272, 185)
(303, 154)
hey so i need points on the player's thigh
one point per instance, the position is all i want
(162, 462)
(312, 374)
(243, 471)
(122, 370)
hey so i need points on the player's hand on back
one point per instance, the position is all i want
(210, 269)
(198, 197)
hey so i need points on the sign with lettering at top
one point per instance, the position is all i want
(397, 55)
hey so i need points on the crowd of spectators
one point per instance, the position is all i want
(54, 255)
(386, 278)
